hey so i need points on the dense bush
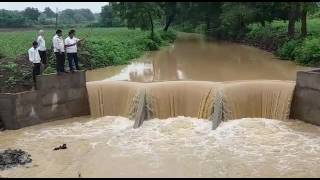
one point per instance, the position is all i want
(270, 36)
(273, 36)
(168, 36)
(156, 38)
(106, 52)
(288, 50)
(309, 52)
(14, 72)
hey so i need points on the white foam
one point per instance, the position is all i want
(281, 147)
(136, 68)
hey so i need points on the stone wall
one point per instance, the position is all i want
(306, 98)
(56, 97)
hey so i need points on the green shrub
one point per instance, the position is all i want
(152, 45)
(11, 67)
(169, 36)
(271, 35)
(107, 52)
(11, 82)
(309, 52)
(156, 38)
(289, 49)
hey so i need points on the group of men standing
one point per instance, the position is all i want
(38, 52)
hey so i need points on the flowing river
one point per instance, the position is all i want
(192, 58)
(178, 146)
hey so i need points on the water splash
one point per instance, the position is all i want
(175, 147)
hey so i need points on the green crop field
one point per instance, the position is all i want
(14, 43)
(103, 47)
(106, 46)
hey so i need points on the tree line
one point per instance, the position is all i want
(32, 16)
(220, 19)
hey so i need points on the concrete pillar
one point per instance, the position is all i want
(306, 98)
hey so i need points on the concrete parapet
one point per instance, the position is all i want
(306, 98)
(56, 97)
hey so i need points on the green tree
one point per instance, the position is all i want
(306, 7)
(292, 17)
(31, 13)
(235, 18)
(170, 11)
(49, 13)
(12, 19)
(106, 16)
(138, 14)
(75, 16)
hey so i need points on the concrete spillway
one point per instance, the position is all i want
(68, 96)
(248, 147)
(215, 101)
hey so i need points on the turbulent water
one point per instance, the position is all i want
(176, 147)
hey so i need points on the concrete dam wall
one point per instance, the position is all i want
(61, 97)
(55, 98)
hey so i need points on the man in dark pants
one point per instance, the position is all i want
(58, 48)
(34, 57)
(71, 49)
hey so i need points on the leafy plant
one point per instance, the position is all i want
(309, 52)
(288, 50)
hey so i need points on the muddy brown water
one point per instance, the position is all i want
(192, 58)
(178, 146)
(175, 147)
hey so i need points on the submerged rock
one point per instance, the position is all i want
(11, 158)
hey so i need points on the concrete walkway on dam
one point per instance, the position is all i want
(71, 96)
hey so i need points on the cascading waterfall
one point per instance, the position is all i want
(215, 101)
(256, 99)
(180, 98)
(113, 98)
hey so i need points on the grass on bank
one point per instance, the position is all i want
(303, 51)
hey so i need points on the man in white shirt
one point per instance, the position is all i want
(34, 57)
(58, 48)
(42, 48)
(71, 49)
